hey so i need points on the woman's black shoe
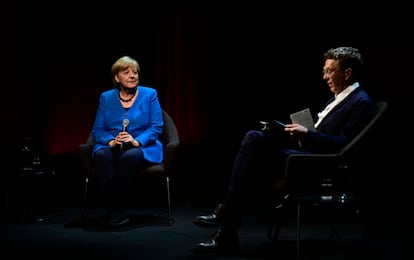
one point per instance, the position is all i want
(118, 219)
(115, 218)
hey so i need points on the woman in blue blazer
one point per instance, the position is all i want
(127, 126)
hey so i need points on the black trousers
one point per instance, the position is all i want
(115, 170)
(260, 161)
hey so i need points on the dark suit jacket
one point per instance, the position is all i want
(342, 123)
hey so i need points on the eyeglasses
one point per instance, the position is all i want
(328, 71)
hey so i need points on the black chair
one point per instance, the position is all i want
(336, 185)
(170, 140)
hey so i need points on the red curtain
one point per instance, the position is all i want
(56, 68)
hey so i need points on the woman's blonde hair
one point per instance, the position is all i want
(122, 64)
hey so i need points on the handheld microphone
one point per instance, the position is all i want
(125, 124)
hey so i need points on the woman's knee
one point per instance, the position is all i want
(133, 156)
(103, 155)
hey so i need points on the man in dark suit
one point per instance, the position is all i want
(344, 116)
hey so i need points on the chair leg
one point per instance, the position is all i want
(275, 223)
(298, 233)
(84, 198)
(334, 232)
(170, 219)
(372, 231)
(7, 206)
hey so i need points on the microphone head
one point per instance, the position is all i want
(125, 122)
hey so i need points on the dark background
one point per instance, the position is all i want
(217, 67)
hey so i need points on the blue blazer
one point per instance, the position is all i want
(145, 121)
(342, 123)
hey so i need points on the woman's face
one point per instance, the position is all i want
(128, 78)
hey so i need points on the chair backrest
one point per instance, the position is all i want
(170, 132)
(361, 159)
(346, 171)
(370, 133)
(170, 140)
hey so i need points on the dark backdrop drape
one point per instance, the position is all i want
(216, 70)
(58, 61)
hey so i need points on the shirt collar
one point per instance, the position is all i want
(347, 90)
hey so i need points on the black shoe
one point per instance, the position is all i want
(223, 241)
(210, 220)
(118, 218)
